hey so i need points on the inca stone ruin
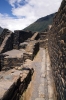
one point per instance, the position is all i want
(33, 65)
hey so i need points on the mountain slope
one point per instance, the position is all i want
(41, 24)
(1, 29)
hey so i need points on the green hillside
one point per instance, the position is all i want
(41, 24)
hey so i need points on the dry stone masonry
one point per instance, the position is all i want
(31, 50)
(12, 58)
(19, 37)
(13, 83)
(14, 76)
(43, 39)
(57, 50)
(6, 42)
(18, 47)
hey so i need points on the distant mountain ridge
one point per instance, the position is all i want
(41, 24)
(1, 30)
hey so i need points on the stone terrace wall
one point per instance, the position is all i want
(43, 39)
(6, 42)
(31, 50)
(1, 61)
(24, 36)
(35, 36)
(9, 63)
(57, 50)
(13, 84)
(19, 37)
(43, 35)
(3, 35)
(11, 59)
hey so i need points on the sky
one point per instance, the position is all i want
(18, 14)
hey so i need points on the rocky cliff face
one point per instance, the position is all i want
(57, 50)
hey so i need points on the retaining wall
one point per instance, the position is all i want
(3, 35)
(31, 50)
(19, 37)
(7, 42)
(43, 39)
(57, 50)
(16, 83)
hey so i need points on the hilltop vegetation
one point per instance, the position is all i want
(41, 24)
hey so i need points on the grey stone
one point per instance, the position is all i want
(39, 99)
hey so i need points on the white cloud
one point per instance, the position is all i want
(37, 8)
(14, 23)
(28, 13)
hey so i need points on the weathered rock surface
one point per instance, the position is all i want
(43, 39)
(6, 41)
(14, 75)
(57, 50)
(11, 59)
(23, 45)
(19, 37)
(13, 83)
(31, 50)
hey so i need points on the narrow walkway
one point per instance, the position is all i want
(43, 88)
(42, 85)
